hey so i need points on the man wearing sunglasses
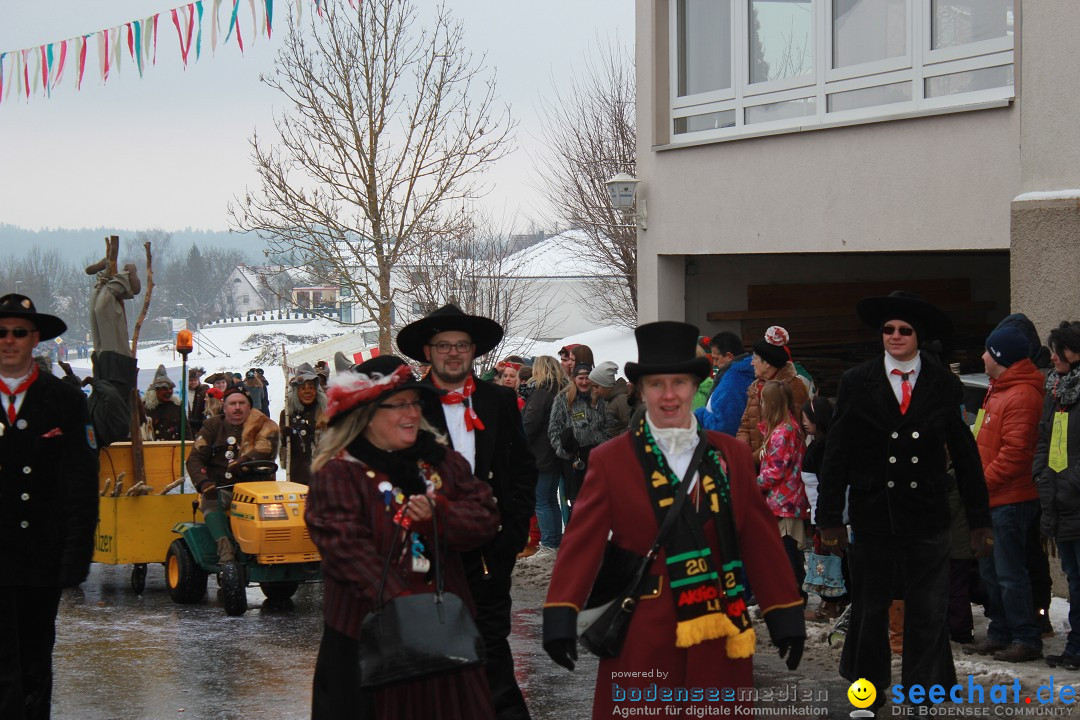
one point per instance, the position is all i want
(48, 505)
(484, 425)
(896, 425)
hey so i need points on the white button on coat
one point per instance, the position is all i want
(892, 459)
(24, 524)
(25, 496)
(26, 470)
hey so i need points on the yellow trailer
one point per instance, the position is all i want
(138, 529)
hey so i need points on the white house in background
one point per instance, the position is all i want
(554, 286)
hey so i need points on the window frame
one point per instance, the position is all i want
(919, 64)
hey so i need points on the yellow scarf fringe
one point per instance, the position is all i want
(712, 627)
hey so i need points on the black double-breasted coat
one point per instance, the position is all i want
(895, 464)
(48, 487)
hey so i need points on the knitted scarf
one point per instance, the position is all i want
(707, 590)
(1064, 387)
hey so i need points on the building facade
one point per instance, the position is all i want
(850, 145)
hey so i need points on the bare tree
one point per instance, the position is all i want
(387, 132)
(591, 135)
(476, 270)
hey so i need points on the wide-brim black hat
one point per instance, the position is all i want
(484, 332)
(929, 321)
(14, 305)
(667, 348)
(370, 382)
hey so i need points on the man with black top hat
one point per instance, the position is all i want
(484, 425)
(223, 444)
(896, 417)
(691, 626)
(196, 396)
(48, 505)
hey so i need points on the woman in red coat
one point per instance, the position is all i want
(381, 473)
(690, 641)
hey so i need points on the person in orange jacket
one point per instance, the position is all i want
(1007, 429)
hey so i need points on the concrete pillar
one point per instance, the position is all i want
(1045, 218)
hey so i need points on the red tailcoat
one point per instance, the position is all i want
(615, 499)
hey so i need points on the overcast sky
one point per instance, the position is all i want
(170, 150)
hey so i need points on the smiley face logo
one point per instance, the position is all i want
(862, 693)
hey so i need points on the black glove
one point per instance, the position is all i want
(569, 442)
(792, 647)
(564, 651)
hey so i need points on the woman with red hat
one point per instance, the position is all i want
(381, 475)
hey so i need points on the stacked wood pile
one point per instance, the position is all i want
(827, 337)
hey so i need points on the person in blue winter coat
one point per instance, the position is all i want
(733, 375)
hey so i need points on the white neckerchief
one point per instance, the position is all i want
(678, 445)
(911, 366)
(462, 440)
(13, 383)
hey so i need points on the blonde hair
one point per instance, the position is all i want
(571, 393)
(776, 401)
(548, 371)
(337, 437)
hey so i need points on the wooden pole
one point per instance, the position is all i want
(146, 302)
(288, 415)
(112, 250)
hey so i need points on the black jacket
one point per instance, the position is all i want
(48, 487)
(503, 461)
(1059, 492)
(535, 416)
(895, 464)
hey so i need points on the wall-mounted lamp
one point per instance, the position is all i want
(622, 191)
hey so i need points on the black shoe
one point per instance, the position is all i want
(963, 638)
(1065, 661)
(1017, 653)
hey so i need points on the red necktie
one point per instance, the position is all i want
(905, 390)
(472, 420)
(13, 393)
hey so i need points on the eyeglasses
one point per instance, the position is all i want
(444, 347)
(18, 333)
(890, 329)
(400, 407)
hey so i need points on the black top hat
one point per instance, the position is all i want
(19, 306)
(667, 347)
(929, 321)
(370, 382)
(485, 332)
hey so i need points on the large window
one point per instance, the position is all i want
(752, 66)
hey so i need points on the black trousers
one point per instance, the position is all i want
(493, 605)
(915, 569)
(28, 632)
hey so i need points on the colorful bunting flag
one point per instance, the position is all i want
(49, 60)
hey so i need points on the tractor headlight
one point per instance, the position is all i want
(273, 511)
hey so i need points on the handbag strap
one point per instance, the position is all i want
(401, 533)
(672, 514)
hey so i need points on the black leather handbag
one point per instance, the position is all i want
(603, 623)
(411, 637)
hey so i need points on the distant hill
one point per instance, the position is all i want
(78, 243)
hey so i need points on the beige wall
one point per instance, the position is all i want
(1046, 231)
(936, 183)
(1049, 80)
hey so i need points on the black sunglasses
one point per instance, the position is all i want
(890, 329)
(19, 333)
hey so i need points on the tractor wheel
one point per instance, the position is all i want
(279, 590)
(184, 578)
(138, 578)
(233, 588)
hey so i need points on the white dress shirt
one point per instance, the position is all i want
(897, 382)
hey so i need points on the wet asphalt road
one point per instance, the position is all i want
(123, 656)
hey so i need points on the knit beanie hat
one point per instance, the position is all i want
(161, 378)
(604, 374)
(1007, 345)
(773, 347)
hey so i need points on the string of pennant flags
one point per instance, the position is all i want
(28, 71)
